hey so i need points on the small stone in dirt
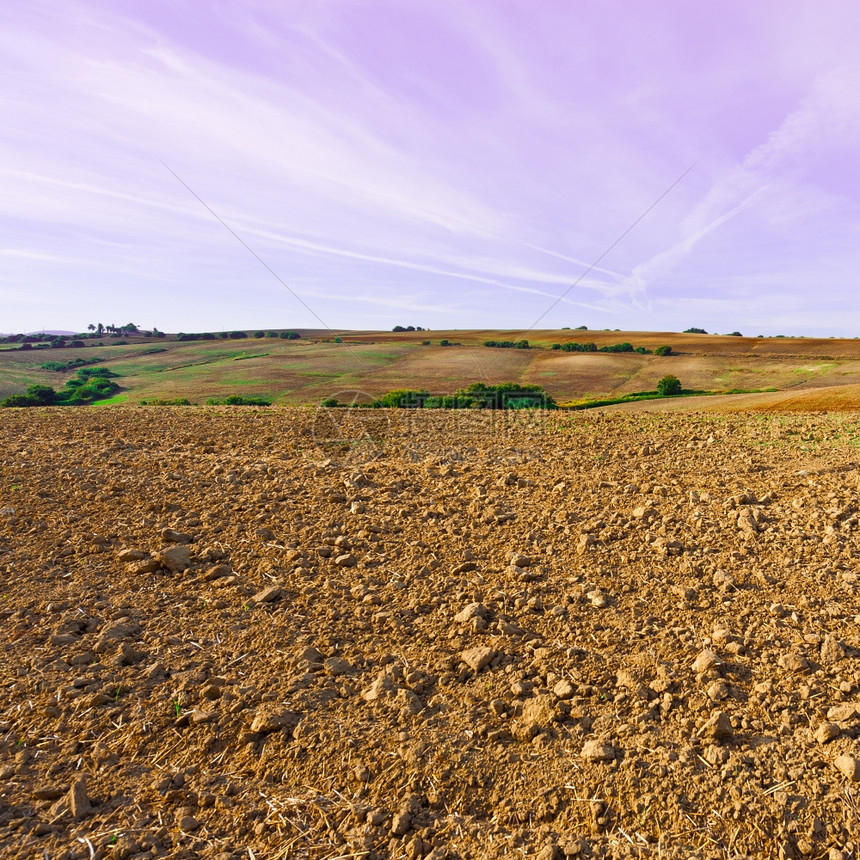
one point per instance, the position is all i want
(477, 658)
(362, 774)
(842, 713)
(79, 802)
(129, 656)
(793, 662)
(849, 767)
(718, 691)
(717, 728)
(216, 572)
(267, 720)
(826, 732)
(188, 823)
(538, 714)
(173, 536)
(401, 823)
(519, 560)
(716, 755)
(346, 560)
(723, 581)
(465, 567)
(498, 707)
(564, 689)
(832, 650)
(585, 541)
(48, 792)
(598, 599)
(269, 594)
(337, 666)
(473, 610)
(176, 559)
(706, 661)
(597, 751)
(127, 555)
(146, 565)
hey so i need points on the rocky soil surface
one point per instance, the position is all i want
(287, 634)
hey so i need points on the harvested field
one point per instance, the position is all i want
(367, 634)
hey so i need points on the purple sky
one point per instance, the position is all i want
(444, 163)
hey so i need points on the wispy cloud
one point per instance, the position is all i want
(449, 159)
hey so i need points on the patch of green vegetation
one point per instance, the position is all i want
(71, 364)
(238, 400)
(246, 357)
(91, 384)
(505, 395)
(176, 401)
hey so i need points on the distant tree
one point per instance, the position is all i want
(735, 334)
(272, 334)
(42, 395)
(290, 335)
(398, 328)
(669, 386)
(410, 328)
(224, 335)
(444, 343)
(694, 331)
(338, 340)
(259, 334)
(91, 327)
(16, 401)
(584, 328)
(100, 329)
(404, 398)
(663, 350)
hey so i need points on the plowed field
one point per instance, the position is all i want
(328, 634)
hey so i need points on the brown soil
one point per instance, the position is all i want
(281, 633)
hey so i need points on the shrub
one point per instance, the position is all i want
(42, 395)
(290, 335)
(90, 372)
(694, 331)
(16, 401)
(573, 346)
(506, 344)
(330, 402)
(404, 398)
(398, 328)
(157, 401)
(617, 347)
(338, 340)
(272, 334)
(259, 334)
(735, 334)
(663, 350)
(444, 343)
(425, 343)
(669, 386)
(238, 335)
(238, 400)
